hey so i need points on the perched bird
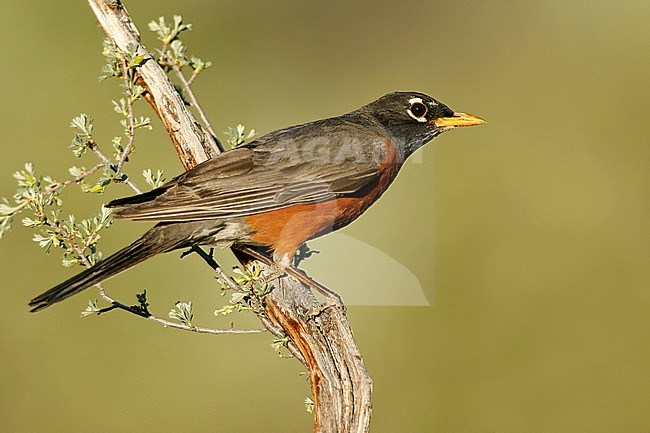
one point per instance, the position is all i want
(279, 191)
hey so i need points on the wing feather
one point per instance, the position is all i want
(270, 173)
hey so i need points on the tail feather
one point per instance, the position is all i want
(155, 241)
(137, 199)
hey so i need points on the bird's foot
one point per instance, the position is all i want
(276, 272)
(283, 266)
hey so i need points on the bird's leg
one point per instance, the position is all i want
(301, 276)
(297, 274)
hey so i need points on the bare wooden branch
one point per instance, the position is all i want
(322, 336)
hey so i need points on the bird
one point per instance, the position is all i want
(278, 191)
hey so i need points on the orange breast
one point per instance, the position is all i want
(284, 230)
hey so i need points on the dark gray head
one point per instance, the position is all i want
(413, 118)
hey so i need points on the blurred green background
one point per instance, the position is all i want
(529, 235)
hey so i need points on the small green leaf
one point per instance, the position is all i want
(167, 33)
(120, 106)
(199, 65)
(45, 242)
(112, 67)
(91, 309)
(238, 136)
(83, 123)
(237, 297)
(94, 189)
(28, 222)
(309, 405)
(279, 343)
(178, 53)
(182, 312)
(154, 181)
(136, 61)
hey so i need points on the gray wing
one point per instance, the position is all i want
(310, 163)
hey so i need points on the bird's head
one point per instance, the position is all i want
(413, 118)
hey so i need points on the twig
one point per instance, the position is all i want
(187, 87)
(92, 144)
(170, 324)
(59, 185)
(129, 117)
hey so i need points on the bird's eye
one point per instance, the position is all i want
(418, 109)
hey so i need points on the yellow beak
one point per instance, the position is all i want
(458, 119)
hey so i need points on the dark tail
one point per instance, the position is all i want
(137, 199)
(157, 240)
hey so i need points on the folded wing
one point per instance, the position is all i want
(272, 173)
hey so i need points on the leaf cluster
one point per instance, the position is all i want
(174, 53)
(78, 238)
(237, 136)
(252, 286)
(182, 312)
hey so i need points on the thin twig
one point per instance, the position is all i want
(92, 236)
(170, 324)
(187, 87)
(59, 185)
(129, 116)
(193, 77)
(92, 144)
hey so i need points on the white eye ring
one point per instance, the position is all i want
(418, 101)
